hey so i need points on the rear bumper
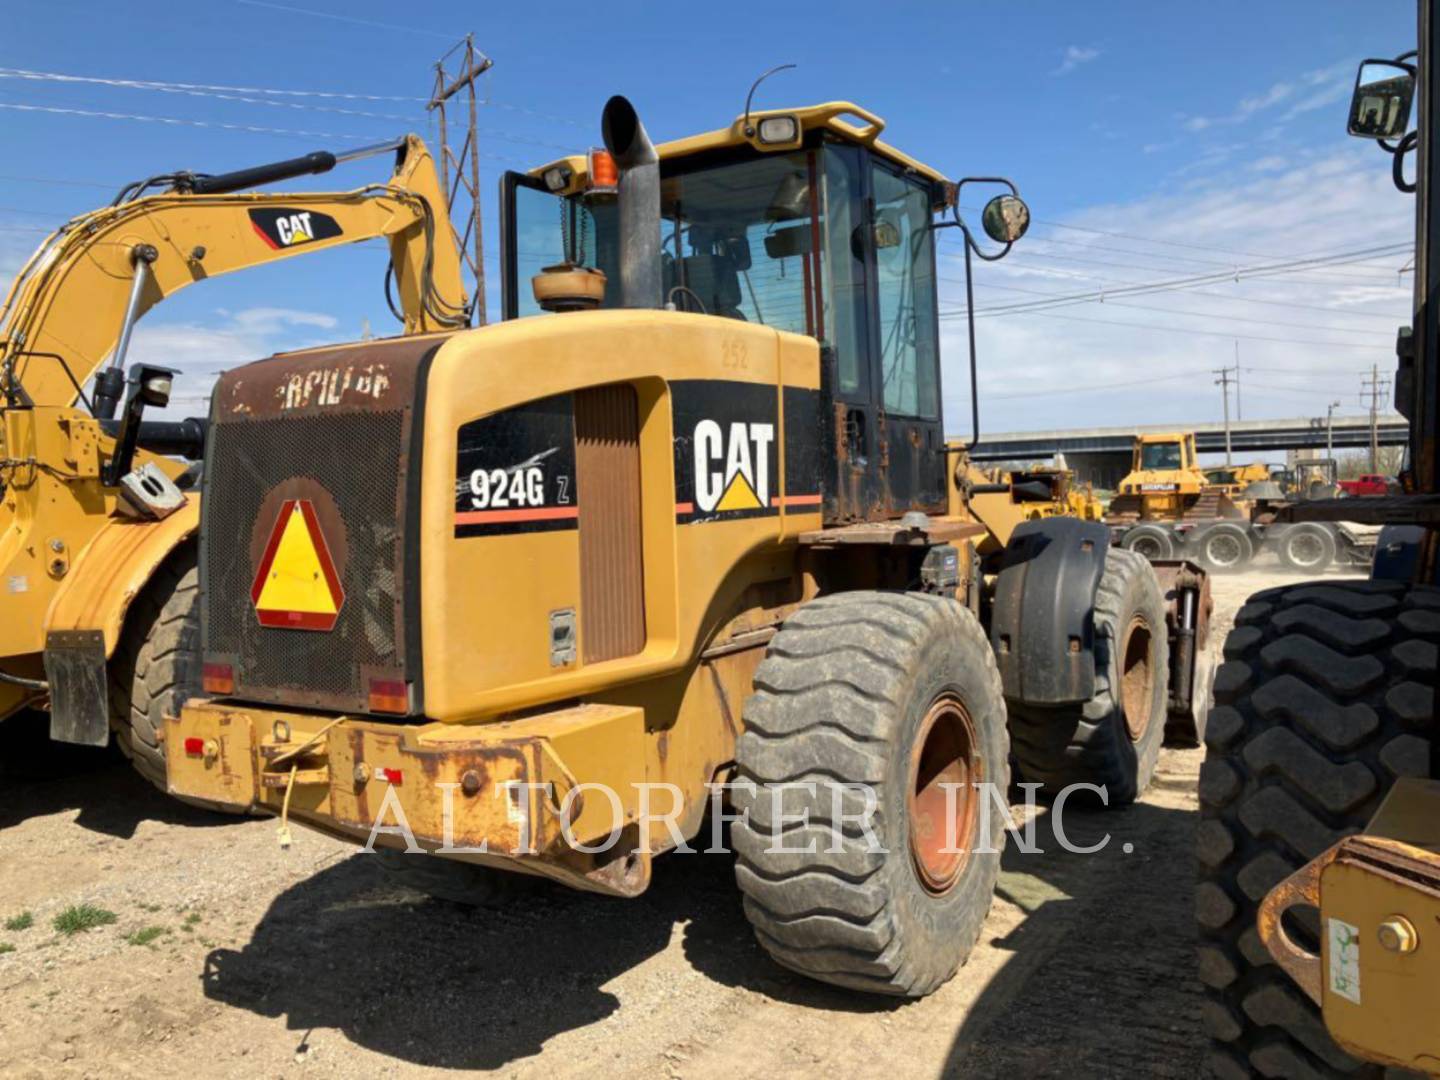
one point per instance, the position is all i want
(498, 792)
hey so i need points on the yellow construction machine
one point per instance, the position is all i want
(97, 513)
(1318, 900)
(680, 537)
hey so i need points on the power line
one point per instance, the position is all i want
(1140, 288)
(1205, 333)
(214, 89)
(249, 128)
(1091, 387)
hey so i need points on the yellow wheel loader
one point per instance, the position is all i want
(679, 540)
(97, 513)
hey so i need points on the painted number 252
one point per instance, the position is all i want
(494, 488)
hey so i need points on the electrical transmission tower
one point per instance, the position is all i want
(455, 74)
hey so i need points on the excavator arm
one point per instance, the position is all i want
(71, 305)
(71, 561)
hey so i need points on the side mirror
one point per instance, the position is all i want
(1380, 106)
(1005, 218)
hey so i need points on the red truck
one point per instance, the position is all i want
(1369, 484)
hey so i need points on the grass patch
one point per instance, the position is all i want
(23, 921)
(78, 918)
(145, 936)
(5, 947)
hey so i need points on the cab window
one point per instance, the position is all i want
(1160, 456)
(905, 287)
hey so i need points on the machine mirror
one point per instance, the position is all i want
(1380, 108)
(1005, 218)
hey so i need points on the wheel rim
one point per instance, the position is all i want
(1137, 678)
(1223, 550)
(944, 754)
(1147, 547)
(1306, 549)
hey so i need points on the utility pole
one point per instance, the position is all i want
(460, 171)
(1373, 387)
(1239, 410)
(1224, 383)
(1330, 429)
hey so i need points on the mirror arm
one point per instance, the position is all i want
(970, 326)
(1397, 162)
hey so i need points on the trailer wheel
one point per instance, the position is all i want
(881, 702)
(1224, 548)
(1149, 541)
(1114, 738)
(156, 667)
(458, 882)
(1307, 547)
(1324, 698)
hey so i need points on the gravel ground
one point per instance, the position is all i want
(309, 962)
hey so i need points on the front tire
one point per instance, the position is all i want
(1325, 697)
(1114, 738)
(897, 692)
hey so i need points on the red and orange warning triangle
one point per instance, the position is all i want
(296, 586)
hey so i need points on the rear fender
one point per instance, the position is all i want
(1042, 624)
(86, 618)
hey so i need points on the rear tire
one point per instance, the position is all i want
(1149, 541)
(1114, 738)
(1224, 548)
(1325, 697)
(899, 692)
(1307, 547)
(156, 668)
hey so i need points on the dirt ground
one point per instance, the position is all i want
(309, 962)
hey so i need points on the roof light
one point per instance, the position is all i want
(557, 177)
(604, 176)
(778, 129)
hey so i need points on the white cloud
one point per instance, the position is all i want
(1073, 57)
(1332, 202)
(200, 351)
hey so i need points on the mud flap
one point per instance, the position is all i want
(1042, 622)
(79, 700)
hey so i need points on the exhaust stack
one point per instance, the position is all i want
(639, 191)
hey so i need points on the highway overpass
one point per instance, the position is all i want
(1096, 453)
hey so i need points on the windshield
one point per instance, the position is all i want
(1160, 456)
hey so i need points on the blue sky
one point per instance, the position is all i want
(1152, 141)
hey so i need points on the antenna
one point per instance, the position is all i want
(749, 127)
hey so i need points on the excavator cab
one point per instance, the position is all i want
(824, 234)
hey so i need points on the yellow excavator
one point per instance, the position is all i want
(97, 513)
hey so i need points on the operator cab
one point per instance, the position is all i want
(806, 224)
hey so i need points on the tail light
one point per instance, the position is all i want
(194, 746)
(218, 679)
(389, 696)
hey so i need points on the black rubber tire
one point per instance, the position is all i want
(1325, 696)
(1308, 547)
(1150, 541)
(156, 667)
(1236, 540)
(458, 882)
(1090, 743)
(840, 696)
